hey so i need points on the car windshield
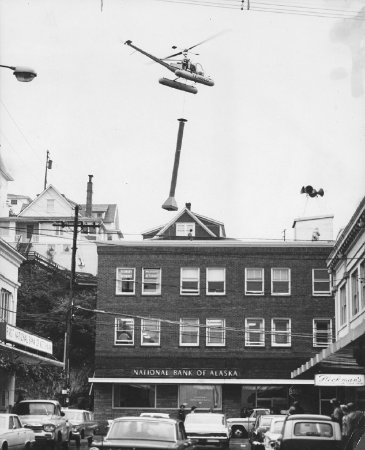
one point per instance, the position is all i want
(73, 415)
(204, 418)
(33, 409)
(135, 429)
(313, 429)
(4, 423)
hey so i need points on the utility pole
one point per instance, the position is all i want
(76, 224)
(48, 166)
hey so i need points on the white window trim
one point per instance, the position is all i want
(351, 305)
(207, 281)
(321, 293)
(118, 280)
(127, 343)
(248, 331)
(272, 281)
(181, 281)
(158, 292)
(262, 292)
(188, 344)
(341, 286)
(209, 327)
(274, 332)
(315, 344)
(151, 344)
(187, 227)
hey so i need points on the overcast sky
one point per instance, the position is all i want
(287, 108)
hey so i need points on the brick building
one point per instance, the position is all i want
(189, 316)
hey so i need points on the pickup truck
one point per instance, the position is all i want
(47, 421)
(242, 426)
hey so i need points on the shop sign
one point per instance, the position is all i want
(323, 379)
(185, 373)
(21, 337)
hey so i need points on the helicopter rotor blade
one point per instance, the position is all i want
(171, 56)
(208, 39)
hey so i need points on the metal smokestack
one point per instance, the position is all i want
(170, 204)
(89, 197)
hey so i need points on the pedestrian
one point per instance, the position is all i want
(356, 426)
(181, 413)
(337, 412)
(345, 425)
(193, 408)
(295, 409)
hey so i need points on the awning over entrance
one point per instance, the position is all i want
(339, 357)
(245, 381)
(30, 358)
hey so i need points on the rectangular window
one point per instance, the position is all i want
(189, 332)
(280, 281)
(322, 332)
(343, 305)
(190, 280)
(216, 281)
(150, 332)
(151, 283)
(254, 282)
(185, 229)
(216, 333)
(355, 305)
(58, 230)
(254, 332)
(362, 285)
(281, 332)
(205, 395)
(321, 282)
(124, 331)
(50, 205)
(126, 281)
(134, 396)
(5, 305)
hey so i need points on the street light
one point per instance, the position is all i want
(23, 74)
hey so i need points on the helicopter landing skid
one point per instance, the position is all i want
(177, 85)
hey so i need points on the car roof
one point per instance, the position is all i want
(206, 414)
(145, 419)
(309, 417)
(55, 402)
(74, 410)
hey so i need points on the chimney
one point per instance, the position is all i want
(89, 197)
(188, 206)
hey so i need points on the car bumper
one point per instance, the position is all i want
(209, 442)
(44, 436)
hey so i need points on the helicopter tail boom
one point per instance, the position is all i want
(154, 58)
(194, 77)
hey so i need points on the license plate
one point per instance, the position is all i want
(212, 440)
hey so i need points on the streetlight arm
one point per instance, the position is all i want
(8, 67)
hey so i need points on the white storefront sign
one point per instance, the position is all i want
(323, 379)
(22, 337)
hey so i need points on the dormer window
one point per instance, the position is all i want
(185, 229)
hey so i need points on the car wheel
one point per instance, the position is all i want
(27, 446)
(89, 441)
(78, 441)
(4, 446)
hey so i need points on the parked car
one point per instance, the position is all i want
(46, 419)
(317, 432)
(82, 424)
(241, 426)
(208, 429)
(13, 435)
(273, 434)
(147, 433)
(260, 427)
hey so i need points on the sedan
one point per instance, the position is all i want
(147, 433)
(273, 435)
(82, 424)
(13, 435)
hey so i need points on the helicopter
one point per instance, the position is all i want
(183, 68)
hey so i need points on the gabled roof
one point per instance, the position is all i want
(109, 210)
(68, 202)
(197, 218)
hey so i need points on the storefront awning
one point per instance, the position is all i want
(246, 381)
(30, 358)
(337, 358)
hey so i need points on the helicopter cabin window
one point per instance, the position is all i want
(185, 229)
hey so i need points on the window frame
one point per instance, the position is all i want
(123, 343)
(314, 281)
(288, 281)
(222, 329)
(354, 292)
(261, 331)
(207, 281)
(181, 329)
(343, 304)
(329, 332)
(182, 292)
(5, 302)
(158, 329)
(187, 227)
(120, 281)
(275, 333)
(251, 292)
(158, 283)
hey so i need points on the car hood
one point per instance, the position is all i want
(205, 428)
(135, 443)
(38, 419)
(273, 436)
